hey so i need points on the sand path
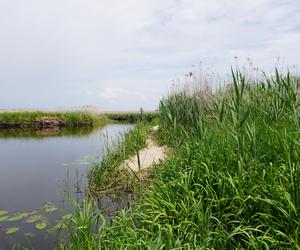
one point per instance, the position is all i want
(150, 155)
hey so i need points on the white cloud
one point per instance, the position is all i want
(130, 50)
(110, 94)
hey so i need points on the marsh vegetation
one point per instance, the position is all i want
(232, 180)
(41, 120)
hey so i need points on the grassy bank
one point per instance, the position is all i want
(107, 175)
(105, 178)
(48, 119)
(38, 120)
(233, 179)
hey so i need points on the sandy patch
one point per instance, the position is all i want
(150, 155)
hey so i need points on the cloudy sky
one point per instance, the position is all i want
(123, 54)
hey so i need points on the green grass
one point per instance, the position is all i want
(233, 177)
(30, 119)
(70, 119)
(82, 226)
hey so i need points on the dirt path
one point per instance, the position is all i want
(150, 155)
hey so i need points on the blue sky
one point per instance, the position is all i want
(123, 55)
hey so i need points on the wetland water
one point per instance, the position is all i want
(42, 167)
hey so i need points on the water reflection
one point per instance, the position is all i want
(29, 133)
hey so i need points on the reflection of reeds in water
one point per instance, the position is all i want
(42, 133)
(111, 204)
(73, 186)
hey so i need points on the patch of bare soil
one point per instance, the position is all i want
(49, 122)
(149, 156)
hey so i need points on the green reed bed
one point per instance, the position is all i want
(232, 180)
(42, 119)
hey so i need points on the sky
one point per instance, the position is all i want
(122, 55)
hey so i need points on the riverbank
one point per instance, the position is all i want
(42, 120)
(129, 167)
(232, 177)
(125, 168)
(70, 119)
(131, 116)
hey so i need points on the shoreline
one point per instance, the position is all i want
(46, 120)
(64, 119)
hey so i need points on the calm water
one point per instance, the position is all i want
(43, 166)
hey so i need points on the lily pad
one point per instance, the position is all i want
(33, 218)
(12, 230)
(3, 212)
(3, 218)
(19, 216)
(49, 208)
(41, 225)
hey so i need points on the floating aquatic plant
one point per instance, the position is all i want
(11, 230)
(3, 212)
(41, 225)
(33, 218)
(48, 208)
(4, 218)
(19, 216)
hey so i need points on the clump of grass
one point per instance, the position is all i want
(233, 181)
(80, 229)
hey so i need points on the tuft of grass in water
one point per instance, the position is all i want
(233, 181)
(81, 228)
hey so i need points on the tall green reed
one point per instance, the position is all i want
(233, 179)
(80, 229)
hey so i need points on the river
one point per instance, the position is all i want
(39, 169)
